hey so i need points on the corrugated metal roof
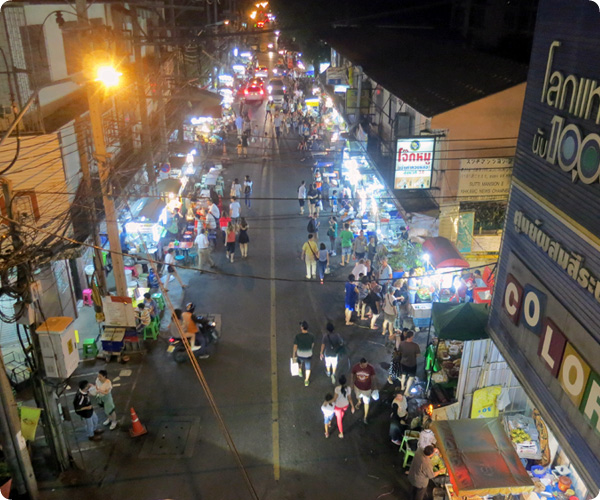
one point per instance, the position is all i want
(432, 76)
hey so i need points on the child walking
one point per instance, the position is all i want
(328, 410)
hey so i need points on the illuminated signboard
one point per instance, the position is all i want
(414, 163)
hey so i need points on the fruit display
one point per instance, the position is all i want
(519, 436)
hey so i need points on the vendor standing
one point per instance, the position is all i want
(420, 472)
(123, 239)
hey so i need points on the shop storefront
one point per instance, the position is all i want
(545, 310)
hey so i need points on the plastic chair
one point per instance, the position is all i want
(159, 300)
(87, 297)
(151, 331)
(90, 348)
(405, 446)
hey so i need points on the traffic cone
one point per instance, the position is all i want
(137, 429)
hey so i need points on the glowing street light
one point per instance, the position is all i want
(107, 76)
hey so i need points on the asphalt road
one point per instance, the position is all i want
(275, 422)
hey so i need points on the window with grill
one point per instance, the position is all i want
(36, 55)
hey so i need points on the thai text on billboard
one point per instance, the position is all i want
(414, 163)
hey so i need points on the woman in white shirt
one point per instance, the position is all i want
(247, 191)
(341, 399)
(105, 399)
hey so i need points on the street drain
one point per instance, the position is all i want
(173, 437)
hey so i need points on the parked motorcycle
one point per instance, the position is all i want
(206, 342)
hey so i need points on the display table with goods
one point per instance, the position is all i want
(480, 459)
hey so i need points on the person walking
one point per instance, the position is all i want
(363, 291)
(236, 189)
(332, 232)
(363, 381)
(323, 262)
(169, 266)
(310, 255)
(247, 191)
(346, 238)
(341, 400)
(313, 226)
(313, 198)
(83, 407)
(351, 297)
(389, 312)
(330, 349)
(234, 210)
(230, 239)
(373, 300)
(277, 125)
(359, 246)
(409, 351)
(105, 399)
(239, 125)
(203, 246)
(245, 144)
(420, 472)
(302, 196)
(385, 274)
(243, 238)
(303, 350)
(328, 409)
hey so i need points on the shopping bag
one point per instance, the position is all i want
(294, 368)
(327, 270)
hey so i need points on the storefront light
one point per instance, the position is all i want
(235, 52)
(200, 120)
(193, 152)
(132, 227)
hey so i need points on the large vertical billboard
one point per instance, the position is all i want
(546, 309)
(414, 163)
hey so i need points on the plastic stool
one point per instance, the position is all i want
(90, 348)
(159, 300)
(87, 297)
(156, 320)
(151, 331)
(193, 258)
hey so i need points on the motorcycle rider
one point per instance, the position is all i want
(189, 320)
(189, 335)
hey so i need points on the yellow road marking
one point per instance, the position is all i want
(274, 383)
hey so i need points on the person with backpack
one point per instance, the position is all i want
(313, 226)
(83, 407)
(330, 350)
(247, 191)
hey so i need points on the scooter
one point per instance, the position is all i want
(205, 345)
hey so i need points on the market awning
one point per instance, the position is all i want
(443, 253)
(460, 321)
(169, 186)
(480, 457)
(151, 210)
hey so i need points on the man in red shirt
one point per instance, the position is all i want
(363, 380)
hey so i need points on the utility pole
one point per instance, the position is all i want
(82, 143)
(13, 444)
(146, 136)
(95, 103)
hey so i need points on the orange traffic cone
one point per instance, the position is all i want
(137, 429)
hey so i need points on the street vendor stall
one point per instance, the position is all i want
(147, 226)
(480, 459)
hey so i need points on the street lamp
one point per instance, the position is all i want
(103, 76)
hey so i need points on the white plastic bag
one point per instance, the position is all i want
(294, 368)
